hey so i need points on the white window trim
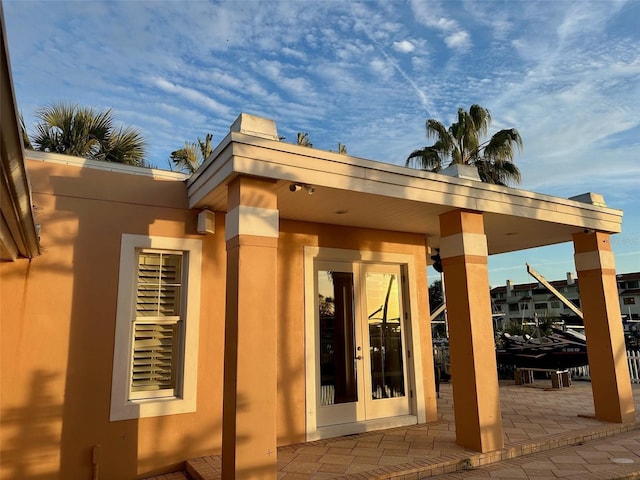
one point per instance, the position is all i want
(122, 408)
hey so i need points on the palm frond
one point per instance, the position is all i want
(437, 131)
(497, 173)
(186, 159)
(481, 118)
(26, 142)
(303, 139)
(502, 145)
(206, 148)
(125, 146)
(189, 158)
(509, 173)
(427, 158)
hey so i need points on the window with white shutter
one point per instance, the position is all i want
(157, 325)
(156, 348)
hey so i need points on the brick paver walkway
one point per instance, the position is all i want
(547, 432)
(613, 457)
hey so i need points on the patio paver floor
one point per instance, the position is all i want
(548, 434)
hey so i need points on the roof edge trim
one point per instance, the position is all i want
(102, 165)
(20, 219)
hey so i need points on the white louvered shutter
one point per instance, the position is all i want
(157, 328)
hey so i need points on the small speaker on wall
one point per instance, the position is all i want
(206, 222)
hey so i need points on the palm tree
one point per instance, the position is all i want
(462, 143)
(125, 146)
(342, 148)
(26, 142)
(192, 155)
(84, 132)
(303, 139)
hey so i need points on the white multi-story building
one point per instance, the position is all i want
(527, 302)
(629, 293)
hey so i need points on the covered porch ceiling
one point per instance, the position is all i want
(362, 193)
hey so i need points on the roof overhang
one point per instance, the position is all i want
(18, 233)
(356, 192)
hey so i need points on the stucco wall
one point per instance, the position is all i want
(294, 236)
(58, 322)
(58, 317)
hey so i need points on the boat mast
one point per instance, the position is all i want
(531, 271)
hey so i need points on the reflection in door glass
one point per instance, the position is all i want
(385, 335)
(337, 338)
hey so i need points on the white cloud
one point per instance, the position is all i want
(431, 14)
(353, 50)
(443, 24)
(499, 21)
(458, 40)
(171, 112)
(271, 69)
(405, 46)
(194, 96)
(381, 67)
(298, 86)
(290, 52)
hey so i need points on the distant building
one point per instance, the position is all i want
(629, 293)
(526, 302)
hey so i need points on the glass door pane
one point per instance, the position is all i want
(385, 335)
(338, 382)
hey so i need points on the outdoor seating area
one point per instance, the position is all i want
(559, 377)
(541, 425)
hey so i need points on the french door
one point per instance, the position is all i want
(360, 332)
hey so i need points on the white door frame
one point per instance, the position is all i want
(383, 407)
(351, 411)
(414, 365)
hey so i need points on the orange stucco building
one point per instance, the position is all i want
(278, 295)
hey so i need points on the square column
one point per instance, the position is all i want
(474, 373)
(250, 377)
(610, 379)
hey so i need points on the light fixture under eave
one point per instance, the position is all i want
(296, 187)
(206, 222)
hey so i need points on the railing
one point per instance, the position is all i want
(633, 358)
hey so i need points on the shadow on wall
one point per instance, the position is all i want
(291, 419)
(84, 227)
(31, 439)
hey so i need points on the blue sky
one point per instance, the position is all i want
(367, 74)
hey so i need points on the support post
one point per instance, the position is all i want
(476, 396)
(250, 381)
(608, 366)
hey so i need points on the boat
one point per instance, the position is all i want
(560, 349)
